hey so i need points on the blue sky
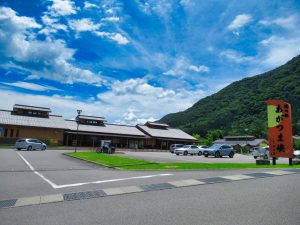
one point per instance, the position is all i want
(132, 61)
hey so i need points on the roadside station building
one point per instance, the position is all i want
(241, 141)
(36, 122)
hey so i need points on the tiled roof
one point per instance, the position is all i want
(168, 133)
(106, 129)
(51, 122)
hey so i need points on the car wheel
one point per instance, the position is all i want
(185, 153)
(206, 156)
(29, 148)
(255, 157)
(199, 153)
(177, 153)
(217, 155)
(18, 149)
(231, 154)
(44, 148)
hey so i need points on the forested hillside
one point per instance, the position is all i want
(240, 108)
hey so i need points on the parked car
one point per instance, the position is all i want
(30, 144)
(174, 146)
(260, 152)
(297, 154)
(219, 150)
(188, 149)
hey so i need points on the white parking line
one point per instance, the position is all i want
(55, 186)
(37, 173)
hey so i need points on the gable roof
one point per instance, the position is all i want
(111, 129)
(6, 117)
(168, 133)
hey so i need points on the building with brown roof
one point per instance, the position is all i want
(36, 122)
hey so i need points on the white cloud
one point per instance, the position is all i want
(289, 22)
(198, 69)
(110, 11)
(88, 5)
(20, 22)
(83, 25)
(179, 68)
(49, 58)
(62, 8)
(170, 73)
(236, 56)
(278, 50)
(111, 19)
(240, 21)
(137, 100)
(51, 25)
(31, 86)
(119, 38)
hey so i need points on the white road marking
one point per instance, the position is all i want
(55, 186)
(37, 173)
(113, 180)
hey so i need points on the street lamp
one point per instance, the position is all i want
(246, 146)
(77, 121)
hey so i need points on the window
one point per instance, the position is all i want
(17, 134)
(11, 133)
(5, 132)
(92, 122)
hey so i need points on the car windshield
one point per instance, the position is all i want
(215, 146)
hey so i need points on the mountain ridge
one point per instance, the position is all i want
(240, 107)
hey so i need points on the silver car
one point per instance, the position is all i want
(219, 150)
(30, 144)
(260, 152)
(174, 146)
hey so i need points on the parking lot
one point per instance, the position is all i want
(30, 177)
(30, 173)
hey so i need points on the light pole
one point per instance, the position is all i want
(77, 121)
(246, 147)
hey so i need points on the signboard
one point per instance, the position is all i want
(280, 129)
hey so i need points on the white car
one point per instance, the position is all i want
(188, 149)
(30, 144)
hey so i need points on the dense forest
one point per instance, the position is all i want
(240, 108)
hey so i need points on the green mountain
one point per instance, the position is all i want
(240, 108)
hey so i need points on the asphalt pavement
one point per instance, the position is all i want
(270, 200)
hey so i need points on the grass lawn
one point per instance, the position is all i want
(107, 160)
(138, 164)
(7, 146)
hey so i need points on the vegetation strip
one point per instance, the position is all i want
(123, 163)
(110, 161)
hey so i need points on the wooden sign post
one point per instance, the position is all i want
(280, 130)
